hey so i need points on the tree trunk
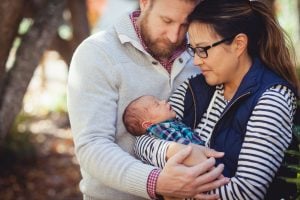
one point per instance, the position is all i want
(10, 18)
(33, 45)
(79, 20)
(80, 26)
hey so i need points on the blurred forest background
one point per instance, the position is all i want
(37, 40)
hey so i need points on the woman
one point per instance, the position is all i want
(244, 101)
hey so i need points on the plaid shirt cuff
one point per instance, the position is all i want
(151, 183)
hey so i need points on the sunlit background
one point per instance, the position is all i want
(47, 89)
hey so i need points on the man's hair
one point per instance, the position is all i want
(187, 1)
(133, 116)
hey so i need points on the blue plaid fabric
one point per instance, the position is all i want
(176, 131)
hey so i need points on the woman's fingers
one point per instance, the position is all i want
(212, 153)
(212, 174)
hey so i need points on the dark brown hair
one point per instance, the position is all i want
(266, 39)
(133, 117)
(186, 1)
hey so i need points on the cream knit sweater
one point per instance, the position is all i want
(108, 70)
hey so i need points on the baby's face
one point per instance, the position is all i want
(158, 110)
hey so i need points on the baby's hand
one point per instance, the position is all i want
(198, 154)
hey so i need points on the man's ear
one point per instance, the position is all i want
(240, 43)
(146, 124)
(144, 4)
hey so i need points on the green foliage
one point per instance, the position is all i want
(65, 32)
(59, 104)
(25, 26)
(293, 165)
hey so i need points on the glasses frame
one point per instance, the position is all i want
(200, 50)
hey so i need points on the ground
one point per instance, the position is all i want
(52, 173)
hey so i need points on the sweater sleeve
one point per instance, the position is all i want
(93, 105)
(268, 134)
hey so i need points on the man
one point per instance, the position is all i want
(142, 54)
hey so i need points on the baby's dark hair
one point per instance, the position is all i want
(133, 116)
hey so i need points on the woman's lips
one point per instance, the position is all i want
(205, 72)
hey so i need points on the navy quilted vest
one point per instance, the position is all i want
(228, 134)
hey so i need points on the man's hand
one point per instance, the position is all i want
(179, 180)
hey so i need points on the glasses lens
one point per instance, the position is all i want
(190, 50)
(202, 53)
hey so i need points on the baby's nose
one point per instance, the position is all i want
(163, 101)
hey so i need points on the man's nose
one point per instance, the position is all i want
(173, 33)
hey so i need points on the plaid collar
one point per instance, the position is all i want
(166, 63)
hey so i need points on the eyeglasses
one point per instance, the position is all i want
(202, 51)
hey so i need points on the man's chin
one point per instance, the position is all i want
(162, 55)
(162, 51)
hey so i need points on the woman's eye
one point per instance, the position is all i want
(201, 50)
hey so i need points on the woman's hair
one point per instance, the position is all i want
(266, 39)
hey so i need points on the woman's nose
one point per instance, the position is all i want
(197, 60)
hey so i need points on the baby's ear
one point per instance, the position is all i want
(146, 124)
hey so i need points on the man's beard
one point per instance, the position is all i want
(155, 46)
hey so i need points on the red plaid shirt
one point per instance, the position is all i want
(167, 64)
(151, 183)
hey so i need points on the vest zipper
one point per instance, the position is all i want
(225, 111)
(195, 108)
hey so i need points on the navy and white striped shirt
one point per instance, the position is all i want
(268, 134)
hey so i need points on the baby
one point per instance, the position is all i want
(155, 117)
(149, 115)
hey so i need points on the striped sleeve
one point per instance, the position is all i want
(177, 99)
(151, 150)
(268, 134)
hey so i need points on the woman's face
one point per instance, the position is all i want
(221, 64)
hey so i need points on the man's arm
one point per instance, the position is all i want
(177, 179)
(93, 104)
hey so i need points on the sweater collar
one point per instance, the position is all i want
(127, 34)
